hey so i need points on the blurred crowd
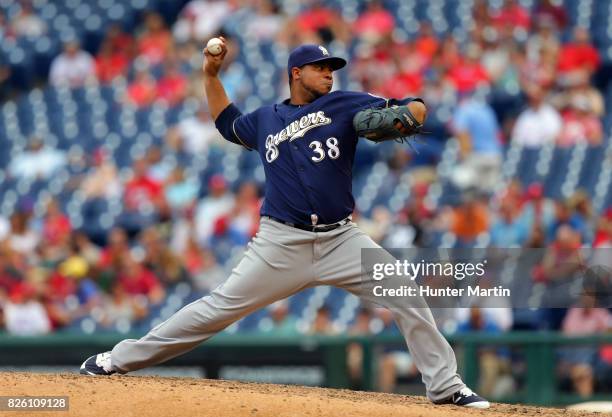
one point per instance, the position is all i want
(514, 81)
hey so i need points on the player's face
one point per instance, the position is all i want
(316, 79)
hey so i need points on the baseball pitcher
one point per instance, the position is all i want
(306, 237)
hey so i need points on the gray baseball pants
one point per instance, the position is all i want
(280, 261)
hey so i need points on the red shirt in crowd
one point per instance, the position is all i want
(466, 76)
(316, 18)
(155, 46)
(379, 22)
(142, 190)
(575, 56)
(110, 67)
(142, 91)
(172, 88)
(56, 229)
(141, 281)
(402, 85)
(577, 128)
(512, 16)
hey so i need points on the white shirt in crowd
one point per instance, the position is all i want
(200, 19)
(197, 134)
(26, 319)
(72, 70)
(207, 212)
(37, 164)
(537, 127)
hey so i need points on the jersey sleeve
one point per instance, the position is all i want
(237, 127)
(363, 101)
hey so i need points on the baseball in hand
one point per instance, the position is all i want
(214, 46)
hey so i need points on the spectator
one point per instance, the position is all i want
(217, 203)
(159, 169)
(579, 54)
(24, 314)
(580, 125)
(39, 161)
(322, 323)
(155, 41)
(317, 23)
(110, 63)
(136, 280)
(469, 220)
(477, 130)
(495, 367)
(510, 17)
(585, 319)
(27, 23)
(426, 42)
(395, 361)
(546, 10)
(201, 19)
(172, 86)
(509, 230)
(579, 88)
(354, 352)
(22, 239)
(544, 38)
(468, 74)
(562, 258)
(375, 22)
(603, 236)
(566, 215)
(541, 71)
(539, 124)
(205, 271)
(159, 259)
(56, 226)
(121, 42)
(281, 322)
(142, 91)
(116, 245)
(378, 225)
(241, 223)
(265, 22)
(142, 191)
(195, 134)
(122, 308)
(5, 228)
(538, 211)
(102, 180)
(72, 68)
(181, 193)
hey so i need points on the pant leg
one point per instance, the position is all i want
(339, 265)
(277, 263)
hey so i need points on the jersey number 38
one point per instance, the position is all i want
(332, 149)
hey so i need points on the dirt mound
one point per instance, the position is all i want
(128, 396)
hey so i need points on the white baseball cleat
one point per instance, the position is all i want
(466, 398)
(99, 364)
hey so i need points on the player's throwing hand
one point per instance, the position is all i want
(212, 63)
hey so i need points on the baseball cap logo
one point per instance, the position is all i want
(323, 50)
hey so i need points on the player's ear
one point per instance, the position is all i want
(295, 73)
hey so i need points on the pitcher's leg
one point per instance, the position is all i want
(433, 356)
(268, 272)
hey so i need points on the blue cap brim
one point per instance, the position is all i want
(336, 62)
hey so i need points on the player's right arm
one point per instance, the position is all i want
(233, 125)
(215, 93)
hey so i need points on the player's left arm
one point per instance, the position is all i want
(396, 119)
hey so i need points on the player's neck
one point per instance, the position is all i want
(301, 97)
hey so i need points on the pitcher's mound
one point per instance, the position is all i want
(126, 396)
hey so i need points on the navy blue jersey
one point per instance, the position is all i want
(307, 153)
